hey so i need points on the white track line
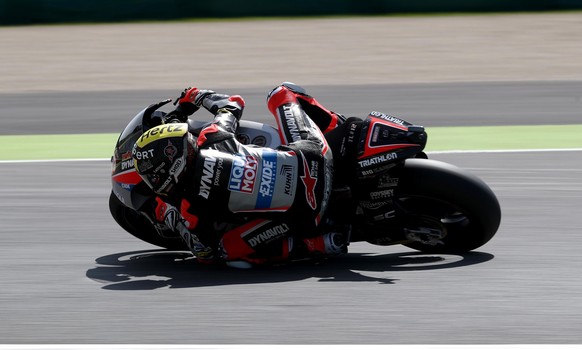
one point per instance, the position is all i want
(431, 152)
(508, 151)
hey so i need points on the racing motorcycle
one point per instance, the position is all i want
(424, 204)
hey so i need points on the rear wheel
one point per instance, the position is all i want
(446, 209)
(140, 227)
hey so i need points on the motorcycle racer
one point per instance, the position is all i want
(275, 199)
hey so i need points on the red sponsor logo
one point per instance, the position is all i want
(309, 182)
(243, 174)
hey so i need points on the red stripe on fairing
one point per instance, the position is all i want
(383, 149)
(130, 177)
(376, 120)
(373, 150)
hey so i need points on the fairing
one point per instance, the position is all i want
(126, 183)
(384, 141)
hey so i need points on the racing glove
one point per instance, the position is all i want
(187, 103)
(171, 217)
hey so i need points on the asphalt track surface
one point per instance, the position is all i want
(429, 104)
(69, 274)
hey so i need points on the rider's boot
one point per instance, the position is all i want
(331, 243)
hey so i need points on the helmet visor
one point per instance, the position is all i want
(164, 181)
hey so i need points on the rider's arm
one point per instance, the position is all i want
(227, 110)
(174, 219)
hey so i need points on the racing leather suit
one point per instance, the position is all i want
(268, 194)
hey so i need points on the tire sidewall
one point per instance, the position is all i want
(435, 179)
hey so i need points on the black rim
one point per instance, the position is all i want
(430, 220)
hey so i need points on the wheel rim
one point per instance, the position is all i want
(430, 219)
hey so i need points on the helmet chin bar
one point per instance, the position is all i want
(175, 171)
(172, 179)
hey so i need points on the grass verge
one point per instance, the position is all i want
(43, 147)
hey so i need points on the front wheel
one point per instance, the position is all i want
(136, 224)
(446, 209)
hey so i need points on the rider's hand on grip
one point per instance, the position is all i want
(186, 105)
(192, 97)
(189, 102)
(179, 115)
(187, 96)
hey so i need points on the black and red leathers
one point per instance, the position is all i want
(271, 193)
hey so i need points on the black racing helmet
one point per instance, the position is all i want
(162, 154)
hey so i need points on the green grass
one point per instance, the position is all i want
(504, 137)
(42, 147)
